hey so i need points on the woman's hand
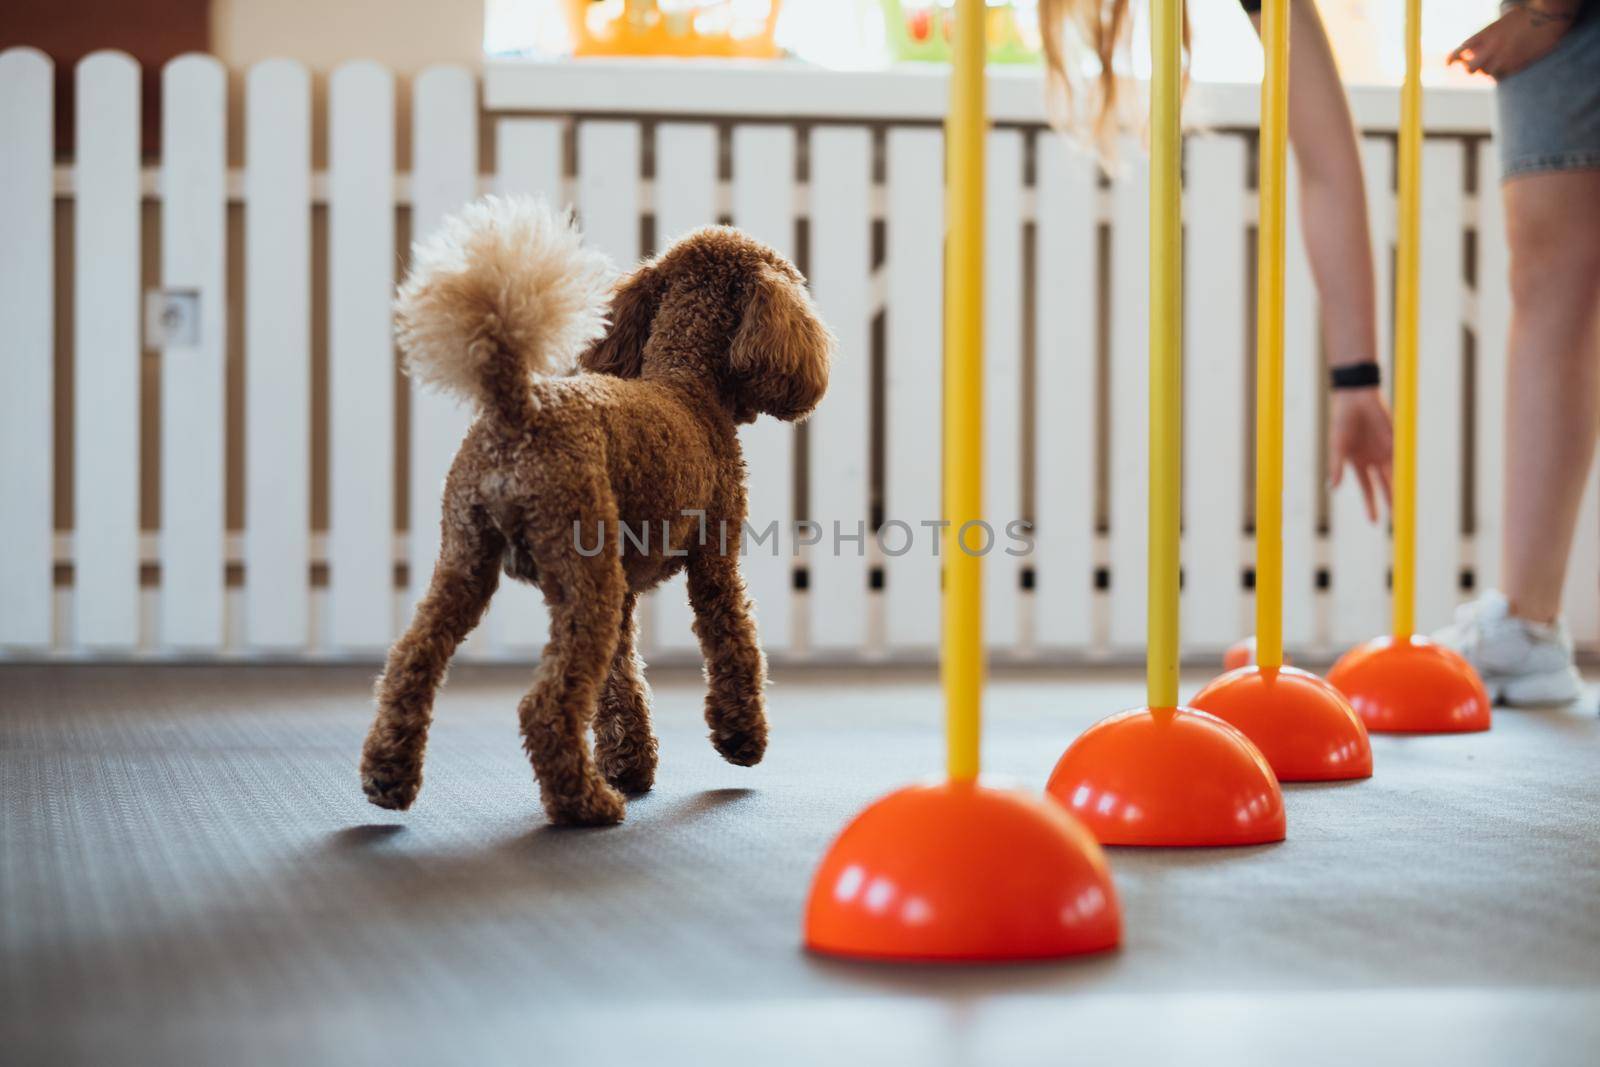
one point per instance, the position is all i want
(1525, 31)
(1361, 436)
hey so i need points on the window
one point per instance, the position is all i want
(843, 34)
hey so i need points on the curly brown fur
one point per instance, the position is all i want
(708, 335)
(463, 581)
(624, 747)
(735, 666)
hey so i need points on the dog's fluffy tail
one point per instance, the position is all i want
(503, 290)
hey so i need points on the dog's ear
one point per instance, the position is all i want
(781, 353)
(633, 308)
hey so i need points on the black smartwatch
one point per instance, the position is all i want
(1355, 376)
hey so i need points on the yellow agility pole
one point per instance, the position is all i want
(1304, 727)
(1269, 334)
(1404, 683)
(1164, 774)
(1407, 269)
(962, 633)
(958, 871)
(1166, 348)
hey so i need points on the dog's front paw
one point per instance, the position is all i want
(389, 784)
(391, 766)
(596, 804)
(743, 742)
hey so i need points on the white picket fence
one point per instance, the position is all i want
(847, 181)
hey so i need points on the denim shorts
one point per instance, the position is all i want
(1550, 111)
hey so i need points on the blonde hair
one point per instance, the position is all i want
(1067, 28)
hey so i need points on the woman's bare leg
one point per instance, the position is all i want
(1553, 379)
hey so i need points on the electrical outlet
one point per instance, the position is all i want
(172, 318)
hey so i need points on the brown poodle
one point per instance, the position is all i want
(714, 331)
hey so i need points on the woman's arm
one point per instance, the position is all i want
(1333, 212)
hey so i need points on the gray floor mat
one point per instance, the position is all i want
(188, 873)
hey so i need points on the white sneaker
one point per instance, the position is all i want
(1520, 662)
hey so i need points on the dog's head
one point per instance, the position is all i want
(723, 304)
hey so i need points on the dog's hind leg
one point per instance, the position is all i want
(624, 747)
(463, 581)
(586, 598)
(735, 665)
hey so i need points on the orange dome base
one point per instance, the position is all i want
(1303, 725)
(1411, 685)
(962, 872)
(1169, 776)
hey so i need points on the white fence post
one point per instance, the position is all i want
(277, 360)
(1493, 291)
(27, 358)
(107, 355)
(361, 368)
(1439, 372)
(608, 188)
(841, 260)
(1130, 411)
(1002, 390)
(1065, 372)
(913, 382)
(193, 277)
(1216, 375)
